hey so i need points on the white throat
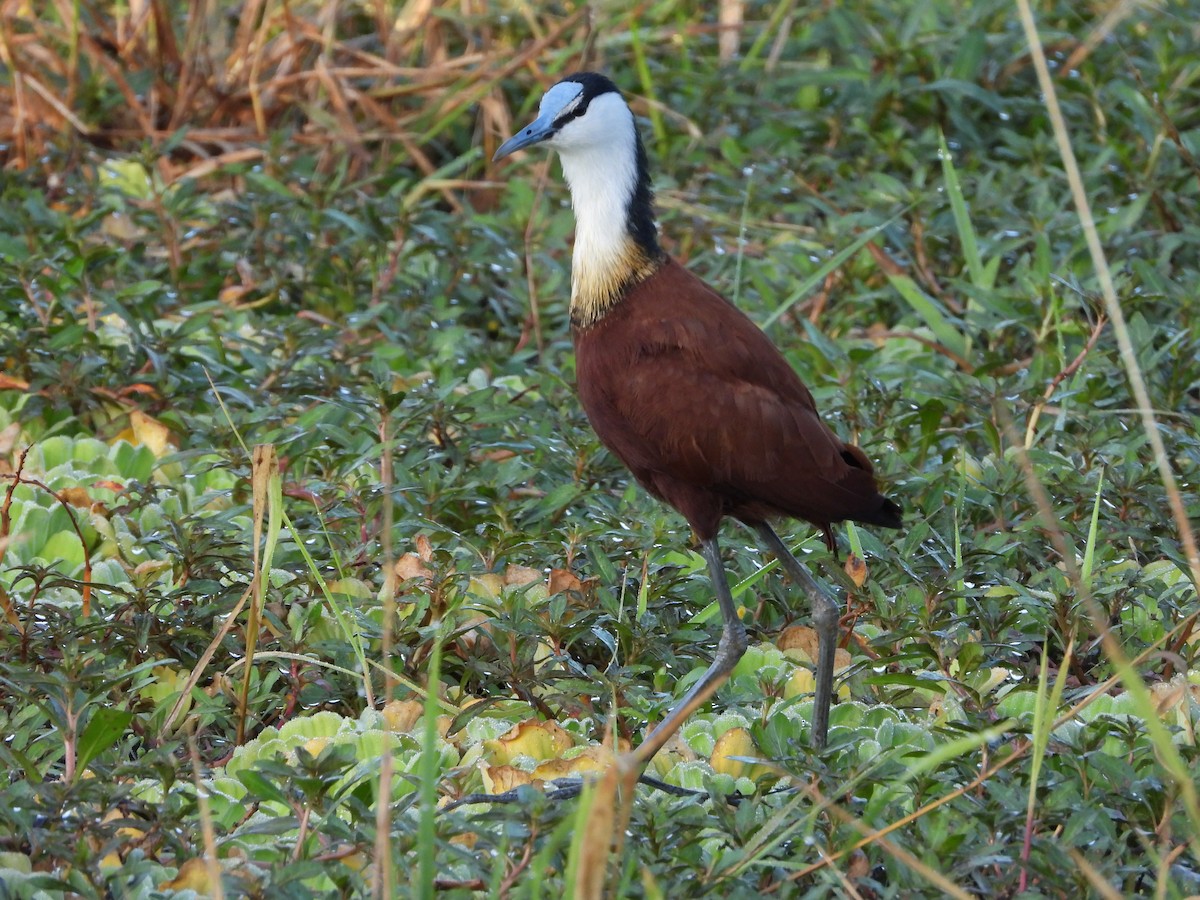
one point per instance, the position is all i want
(599, 158)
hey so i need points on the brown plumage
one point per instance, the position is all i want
(685, 389)
(691, 395)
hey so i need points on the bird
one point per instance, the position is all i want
(685, 389)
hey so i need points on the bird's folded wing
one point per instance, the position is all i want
(710, 426)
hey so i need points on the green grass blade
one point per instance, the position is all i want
(931, 313)
(428, 777)
(265, 463)
(343, 620)
(810, 283)
(959, 508)
(854, 540)
(1043, 724)
(962, 220)
(943, 753)
(579, 834)
(1089, 553)
(1169, 756)
(647, 82)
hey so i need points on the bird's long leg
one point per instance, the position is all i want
(729, 650)
(825, 621)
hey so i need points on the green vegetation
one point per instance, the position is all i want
(275, 225)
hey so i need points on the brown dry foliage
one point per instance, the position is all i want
(211, 79)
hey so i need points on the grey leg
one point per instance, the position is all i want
(825, 621)
(729, 650)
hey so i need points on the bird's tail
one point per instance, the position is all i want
(888, 515)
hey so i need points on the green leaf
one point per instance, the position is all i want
(970, 658)
(927, 683)
(261, 786)
(931, 313)
(63, 547)
(103, 730)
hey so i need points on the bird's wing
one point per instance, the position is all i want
(706, 423)
(697, 401)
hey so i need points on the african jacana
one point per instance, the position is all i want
(684, 388)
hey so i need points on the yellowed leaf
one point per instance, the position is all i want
(144, 572)
(734, 742)
(407, 382)
(596, 758)
(127, 831)
(151, 433)
(140, 387)
(402, 715)
(499, 779)
(167, 684)
(1173, 700)
(471, 630)
(410, 566)
(355, 862)
(221, 684)
(445, 436)
(856, 568)
(113, 859)
(798, 643)
(488, 586)
(314, 746)
(675, 751)
(9, 435)
(997, 675)
(801, 682)
(466, 839)
(121, 228)
(12, 383)
(519, 576)
(232, 294)
(424, 548)
(563, 580)
(194, 875)
(539, 740)
(75, 496)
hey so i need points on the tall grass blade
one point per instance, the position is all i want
(932, 313)
(427, 775)
(647, 82)
(1089, 552)
(1137, 381)
(267, 493)
(809, 284)
(343, 619)
(1168, 754)
(1043, 724)
(962, 219)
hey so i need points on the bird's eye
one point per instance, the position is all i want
(574, 111)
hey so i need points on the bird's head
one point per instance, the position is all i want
(583, 112)
(587, 121)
